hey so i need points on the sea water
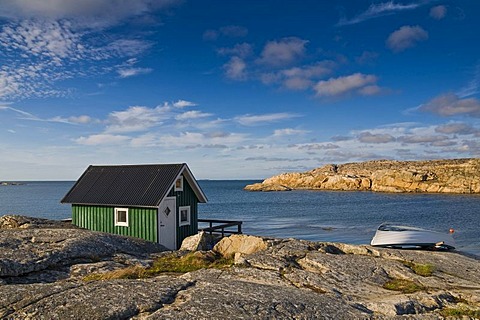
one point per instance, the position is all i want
(350, 217)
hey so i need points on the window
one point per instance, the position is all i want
(179, 184)
(121, 217)
(184, 216)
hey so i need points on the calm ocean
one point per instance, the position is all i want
(350, 217)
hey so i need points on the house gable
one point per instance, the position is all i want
(129, 185)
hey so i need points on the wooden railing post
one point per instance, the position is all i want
(221, 228)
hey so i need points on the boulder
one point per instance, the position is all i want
(200, 241)
(239, 243)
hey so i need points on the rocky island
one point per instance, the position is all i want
(434, 176)
(52, 270)
(10, 183)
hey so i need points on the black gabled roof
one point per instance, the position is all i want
(129, 185)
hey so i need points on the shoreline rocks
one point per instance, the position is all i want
(435, 176)
(10, 183)
(270, 279)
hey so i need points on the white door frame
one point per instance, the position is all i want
(167, 224)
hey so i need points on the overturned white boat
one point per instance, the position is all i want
(405, 237)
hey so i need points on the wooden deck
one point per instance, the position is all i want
(221, 227)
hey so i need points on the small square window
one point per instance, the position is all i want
(184, 218)
(179, 184)
(121, 217)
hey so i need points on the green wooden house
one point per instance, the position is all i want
(157, 202)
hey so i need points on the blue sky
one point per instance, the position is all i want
(236, 89)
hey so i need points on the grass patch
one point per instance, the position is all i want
(171, 262)
(424, 270)
(189, 262)
(403, 285)
(460, 312)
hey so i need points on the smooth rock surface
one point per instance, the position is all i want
(435, 176)
(280, 279)
(239, 243)
(45, 253)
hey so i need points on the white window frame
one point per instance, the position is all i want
(180, 188)
(187, 222)
(121, 223)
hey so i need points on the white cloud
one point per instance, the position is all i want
(193, 140)
(102, 139)
(279, 53)
(379, 10)
(98, 13)
(438, 12)
(136, 118)
(343, 85)
(131, 72)
(273, 66)
(44, 42)
(252, 120)
(473, 85)
(84, 119)
(406, 37)
(39, 53)
(456, 128)
(341, 138)
(80, 119)
(422, 138)
(451, 105)
(368, 137)
(236, 69)
(146, 140)
(120, 125)
(51, 39)
(288, 132)
(297, 83)
(318, 146)
(183, 104)
(25, 115)
(313, 71)
(190, 115)
(299, 78)
(241, 50)
(123, 48)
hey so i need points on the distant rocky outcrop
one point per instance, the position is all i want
(42, 276)
(10, 183)
(435, 176)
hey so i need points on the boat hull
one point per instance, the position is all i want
(411, 238)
